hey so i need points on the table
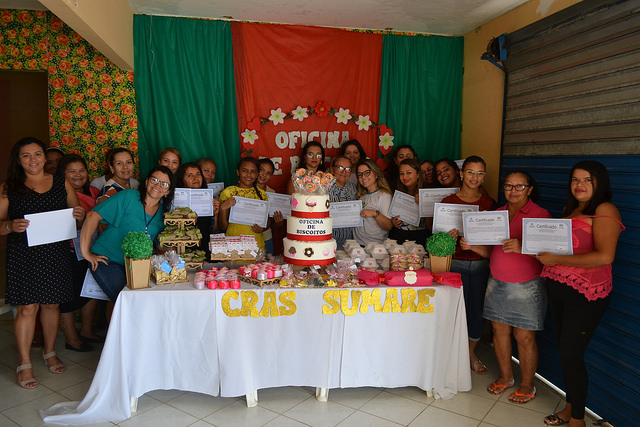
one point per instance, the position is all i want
(235, 342)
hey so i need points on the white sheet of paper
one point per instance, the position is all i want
(346, 214)
(217, 188)
(201, 201)
(405, 207)
(279, 202)
(51, 226)
(430, 196)
(447, 216)
(249, 211)
(91, 289)
(486, 228)
(547, 235)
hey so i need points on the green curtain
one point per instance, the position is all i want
(185, 91)
(421, 93)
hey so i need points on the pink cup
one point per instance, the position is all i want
(211, 283)
(234, 284)
(223, 284)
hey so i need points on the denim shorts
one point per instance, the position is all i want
(111, 278)
(521, 305)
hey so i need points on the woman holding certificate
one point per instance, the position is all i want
(375, 194)
(410, 182)
(39, 277)
(342, 190)
(473, 267)
(579, 285)
(247, 171)
(125, 211)
(515, 301)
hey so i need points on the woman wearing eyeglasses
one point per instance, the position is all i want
(473, 267)
(515, 301)
(312, 159)
(375, 194)
(125, 211)
(342, 190)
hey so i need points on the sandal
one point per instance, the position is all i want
(55, 369)
(496, 389)
(524, 397)
(478, 367)
(31, 382)
(554, 420)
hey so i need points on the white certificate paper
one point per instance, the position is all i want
(447, 216)
(405, 207)
(49, 227)
(546, 235)
(486, 228)
(346, 214)
(217, 188)
(199, 200)
(431, 196)
(249, 211)
(91, 289)
(279, 202)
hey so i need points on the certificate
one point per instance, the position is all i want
(91, 289)
(447, 216)
(404, 206)
(249, 211)
(486, 228)
(217, 188)
(430, 196)
(546, 235)
(50, 227)
(279, 202)
(346, 214)
(199, 200)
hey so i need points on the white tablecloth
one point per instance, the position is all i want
(176, 337)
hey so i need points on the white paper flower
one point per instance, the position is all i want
(249, 136)
(363, 122)
(277, 116)
(386, 141)
(343, 116)
(299, 113)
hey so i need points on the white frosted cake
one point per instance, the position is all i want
(309, 240)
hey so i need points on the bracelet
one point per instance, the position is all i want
(6, 226)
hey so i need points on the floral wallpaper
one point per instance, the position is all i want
(91, 101)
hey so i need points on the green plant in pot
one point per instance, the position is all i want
(441, 247)
(137, 247)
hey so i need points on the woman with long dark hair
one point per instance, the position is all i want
(38, 277)
(312, 159)
(579, 285)
(126, 211)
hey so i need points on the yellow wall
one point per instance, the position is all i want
(483, 85)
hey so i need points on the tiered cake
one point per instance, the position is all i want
(309, 240)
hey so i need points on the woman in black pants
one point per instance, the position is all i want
(579, 285)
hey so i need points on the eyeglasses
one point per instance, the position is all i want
(312, 155)
(517, 187)
(156, 181)
(364, 174)
(343, 169)
(472, 172)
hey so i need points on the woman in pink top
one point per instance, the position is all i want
(579, 285)
(515, 301)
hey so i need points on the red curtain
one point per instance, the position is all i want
(286, 66)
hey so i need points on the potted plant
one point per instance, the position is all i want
(441, 247)
(137, 247)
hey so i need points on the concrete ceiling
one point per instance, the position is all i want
(445, 17)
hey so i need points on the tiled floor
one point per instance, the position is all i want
(286, 406)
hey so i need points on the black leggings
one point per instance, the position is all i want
(575, 320)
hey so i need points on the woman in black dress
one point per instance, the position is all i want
(38, 277)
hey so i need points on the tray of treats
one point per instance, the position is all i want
(260, 283)
(180, 217)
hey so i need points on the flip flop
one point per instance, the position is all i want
(554, 420)
(526, 396)
(497, 389)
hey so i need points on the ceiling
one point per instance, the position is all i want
(445, 17)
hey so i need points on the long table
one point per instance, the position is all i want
(235, 342)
